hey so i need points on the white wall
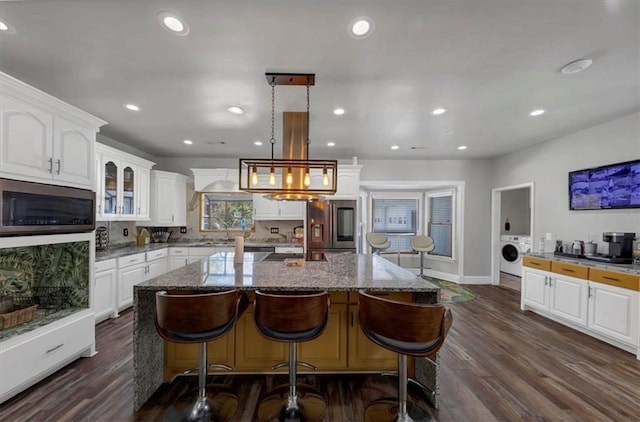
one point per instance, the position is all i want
(514, 205)
(548, 165)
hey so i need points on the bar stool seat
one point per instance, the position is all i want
(197, 317)
(292, 317)
(422, 244)
(423, 330)
(378, 242)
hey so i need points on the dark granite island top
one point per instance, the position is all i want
(340, 272)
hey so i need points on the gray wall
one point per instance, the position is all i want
(548, 164)
(514, 205)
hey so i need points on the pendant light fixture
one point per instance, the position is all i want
(290, 178)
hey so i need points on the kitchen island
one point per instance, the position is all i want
(340, 274)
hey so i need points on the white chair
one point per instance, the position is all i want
(378, 242)
(422, 244)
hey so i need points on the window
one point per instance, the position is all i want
(225, 211)
(440, 207)
(397, 217)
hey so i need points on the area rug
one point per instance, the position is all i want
(452, 292)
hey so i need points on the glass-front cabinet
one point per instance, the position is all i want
(123, 190)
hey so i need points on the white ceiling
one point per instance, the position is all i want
(489, 62)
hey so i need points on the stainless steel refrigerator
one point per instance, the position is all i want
(331, 226)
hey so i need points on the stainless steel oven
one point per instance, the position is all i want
(36, 208)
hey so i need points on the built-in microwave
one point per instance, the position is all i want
(35, 208)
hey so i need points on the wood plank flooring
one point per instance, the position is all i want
(498, 364)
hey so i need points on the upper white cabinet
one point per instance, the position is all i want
(347, 183)
(122, 189)
(266, 209)
(43, 139)
(168, 199)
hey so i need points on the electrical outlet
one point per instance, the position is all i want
(275, 230)
(549, 236)
(125, 232)
(183, 230)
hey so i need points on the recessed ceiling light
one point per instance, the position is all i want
(132, 107)
(6, 28)
(258, 143)
(537, 112)
(173, 24)
(235, 110)
(462, 147)
(438, 111)
(188, 141)
(361, 27)
(338, 111)
(576, 66)
(394, 147)
(331, 144)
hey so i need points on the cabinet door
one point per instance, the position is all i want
(348, 185)
(110, 171)
(26, 139)
(329, 351)
(179, 201)
(534, 288)
(569, 297)
(104, 294)
(142, 193)
(365, 354)
(265, 209)
(181, 357)
(254, 352)
(177, 262)
(292, 209)
(613, 312)
(127, 278)
(164, 201)
(156, 268)
(73, 153)
(128, 192)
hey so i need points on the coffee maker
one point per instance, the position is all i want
(620, 248)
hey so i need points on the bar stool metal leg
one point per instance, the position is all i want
(421, 264)
(292, 400)
(201, 410)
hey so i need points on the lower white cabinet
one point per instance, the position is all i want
(614, 312)
(178, 257)
(156, 263)
(131, 271)
(569, 298)
(28, 358)
(104, 290)
(535, 291)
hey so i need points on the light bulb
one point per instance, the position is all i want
(325, 177)
(272, 177)
(254, 176)
(307, 178)
(289, 177)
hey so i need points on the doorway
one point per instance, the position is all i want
(512, 210)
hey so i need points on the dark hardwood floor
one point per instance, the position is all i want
(498, 363)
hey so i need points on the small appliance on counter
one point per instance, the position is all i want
(575, 249)
(620, 248)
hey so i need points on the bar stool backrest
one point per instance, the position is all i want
(414, 329)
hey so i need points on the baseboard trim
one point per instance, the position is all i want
(477, 280)
(455, 278)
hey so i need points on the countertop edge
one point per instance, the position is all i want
(621, 268)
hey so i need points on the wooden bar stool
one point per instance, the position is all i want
(378, 242)
(292, 317)
(193, 317)
(409, 329)
(422, 244)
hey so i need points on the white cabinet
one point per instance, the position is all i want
(43, 139)
(178, 257)
(122, 189)
(168, 199)
(104, 292)
(266, 209)
(131, 271)
(568, 298)
(614, 312)
(289, 249)
(156, 263)
(348, 183)
(535, 291)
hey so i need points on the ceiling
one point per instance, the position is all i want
(489, 62)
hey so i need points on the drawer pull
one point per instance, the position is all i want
(53, 349)
(534, 263)
(132, 260)
(610, 278)
(569, 270)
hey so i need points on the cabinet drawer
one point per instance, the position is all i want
(160, 253)
(34, 357)
(539, 263)
(179, 251)
(612, 278)
(129, 260)
(289, 249)
(109, 264)
(571, 270)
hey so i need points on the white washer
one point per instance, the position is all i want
(512, 248)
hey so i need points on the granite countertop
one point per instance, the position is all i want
(117, 252)
(622, 268)
(341, 272)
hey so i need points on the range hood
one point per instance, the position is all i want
(294, 177)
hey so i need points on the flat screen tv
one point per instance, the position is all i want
(607, 187)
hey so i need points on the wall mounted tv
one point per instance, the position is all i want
(607, 187)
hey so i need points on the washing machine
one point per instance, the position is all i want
(512, 248)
